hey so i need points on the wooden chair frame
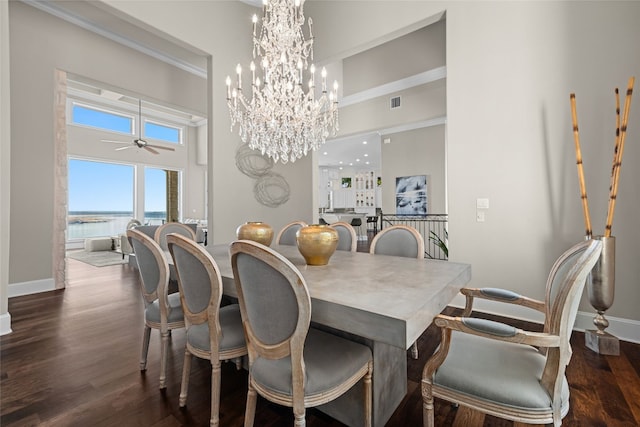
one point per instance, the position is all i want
(413, 231)
(160, 293)
(292, 346)
(553, 341)
(352, 232)
(160, 235)
(288, 226)
(208, 315)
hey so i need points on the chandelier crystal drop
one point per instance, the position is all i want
(283, 118)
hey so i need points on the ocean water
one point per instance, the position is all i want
(84, 224)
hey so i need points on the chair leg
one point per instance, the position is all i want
(368, 395)
(300, 420)
(427, 405)
(250, 411)
(146, 336)
(164, 348)
(186, 372)
(215, 393)
(414, 350)
(238, 362)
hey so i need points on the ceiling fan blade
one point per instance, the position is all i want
(146, 147)
(116, 142)
(124, 148)
(161, 147)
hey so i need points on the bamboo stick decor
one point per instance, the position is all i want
(583, 189)
(618, 151)
(617, 159)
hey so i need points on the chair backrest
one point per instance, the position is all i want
(160, 235)
(398, 240)
(568, 276)
(133, 224)
(347, 237)
(566, 279)
(274, 303)
(152, 266)
(199, 282)
(287, 235)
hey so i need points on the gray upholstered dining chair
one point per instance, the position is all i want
(347, 237)
(507, 372)
(161, 310)
(287, 235)
(399, 240)
(213, 332)
(290, 363)
(160, 235)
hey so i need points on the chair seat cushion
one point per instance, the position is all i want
(152, 313)
(232, 332)
(329, 361)
(499, 372)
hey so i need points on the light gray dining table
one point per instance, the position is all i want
(385, 302)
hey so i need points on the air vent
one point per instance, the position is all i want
(395, 102)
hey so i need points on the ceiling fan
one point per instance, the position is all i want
(139, 142)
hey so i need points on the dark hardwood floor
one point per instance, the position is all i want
(72, 360)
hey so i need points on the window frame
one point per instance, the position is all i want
(112, 107)
(71, 103)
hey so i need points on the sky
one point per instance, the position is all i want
(97, 186)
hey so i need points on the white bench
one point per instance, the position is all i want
(98, 244)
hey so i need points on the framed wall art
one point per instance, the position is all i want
(411, 195)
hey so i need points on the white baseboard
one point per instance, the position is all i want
(28, 288)
(623, 329)
(5, 324)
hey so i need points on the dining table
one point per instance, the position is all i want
(385, 302)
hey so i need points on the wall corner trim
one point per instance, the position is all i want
(5, 324)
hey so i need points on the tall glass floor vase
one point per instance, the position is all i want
(600, 286)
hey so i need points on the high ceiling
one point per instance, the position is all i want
(102, 19)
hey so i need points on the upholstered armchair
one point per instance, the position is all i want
(508, 372)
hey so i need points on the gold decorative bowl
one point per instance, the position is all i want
(260, 232)
(317, 243)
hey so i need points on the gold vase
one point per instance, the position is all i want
(260, 232)
(317, 243)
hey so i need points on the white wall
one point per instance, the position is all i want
(41, 43)
(511, 67)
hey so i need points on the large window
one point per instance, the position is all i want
(102, 201)
(101, 198)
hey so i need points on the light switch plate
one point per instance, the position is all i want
(482, 203)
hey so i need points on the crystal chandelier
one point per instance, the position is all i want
(281, 119)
